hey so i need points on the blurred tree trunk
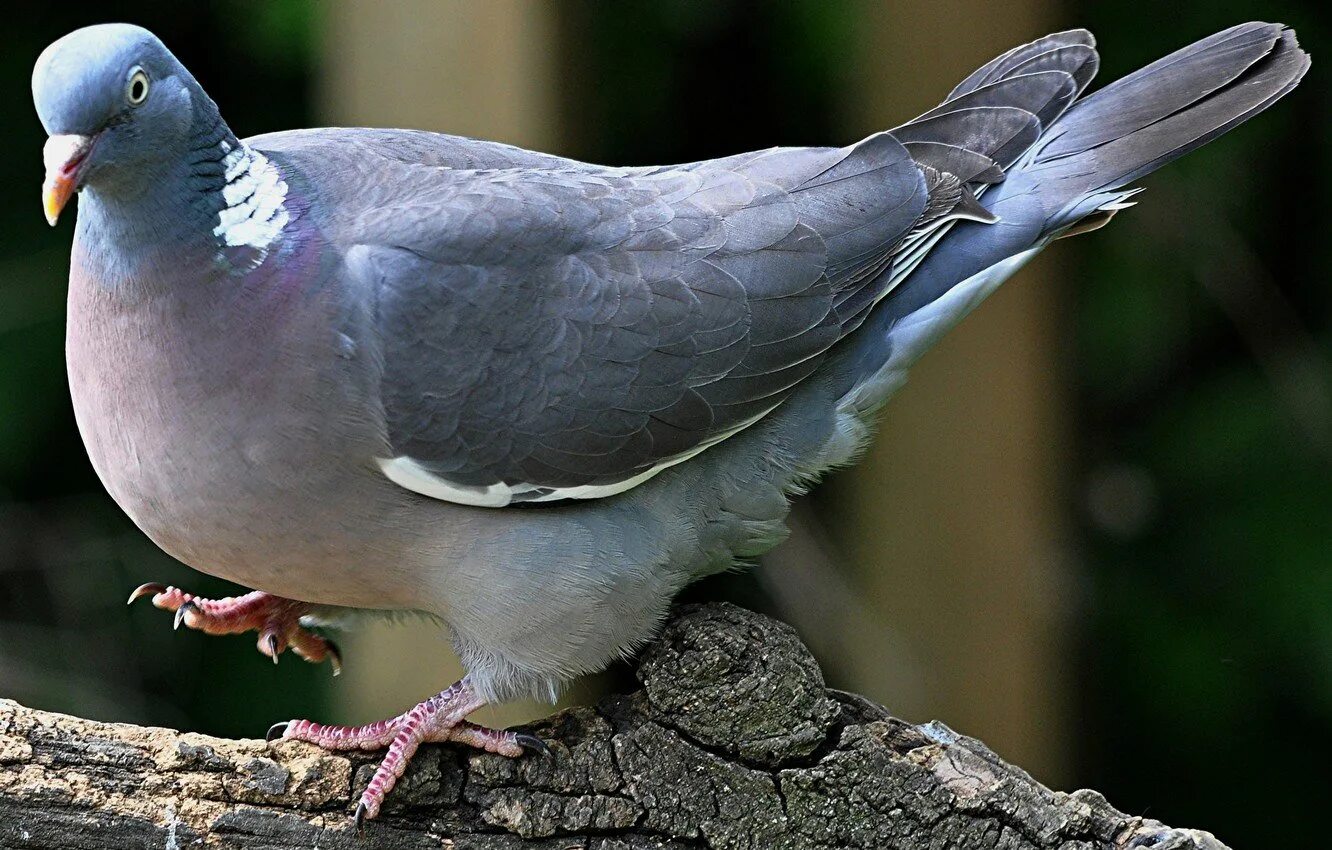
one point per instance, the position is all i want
(952, 522)
(471, 69)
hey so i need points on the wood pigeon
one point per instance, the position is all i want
(529, 396)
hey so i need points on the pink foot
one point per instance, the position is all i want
(437, 720)
(277, 620)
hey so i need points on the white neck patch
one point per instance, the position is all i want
(254, 214)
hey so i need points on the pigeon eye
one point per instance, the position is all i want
(136, 90)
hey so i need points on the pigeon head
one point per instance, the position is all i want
(116, 105)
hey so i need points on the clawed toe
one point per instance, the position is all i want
(277, 620)
(532, 744)
(334, 656)
(152, 588)
(187, 607)
(438, 720)
(312, 647)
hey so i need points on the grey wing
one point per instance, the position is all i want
(567, 333)
(557, 330)
(347, 150)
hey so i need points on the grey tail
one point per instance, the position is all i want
(969, 143)
(1021, 111)
(1002, 109)
(1139, 123)
(1047, 164)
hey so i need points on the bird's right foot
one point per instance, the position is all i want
(277, 620)
(438, 719)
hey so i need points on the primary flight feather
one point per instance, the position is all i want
(340, 365)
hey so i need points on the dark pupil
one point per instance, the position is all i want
(137, 90)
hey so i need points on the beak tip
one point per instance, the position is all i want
(51, 208)
(64, 157)
(56, 195)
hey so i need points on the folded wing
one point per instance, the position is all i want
(567, 333)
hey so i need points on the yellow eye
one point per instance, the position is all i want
(136, 90)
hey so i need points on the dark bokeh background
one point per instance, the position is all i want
(1191, 342)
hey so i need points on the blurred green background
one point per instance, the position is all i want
(1096, 530)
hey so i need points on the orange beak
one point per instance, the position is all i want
(64, 157)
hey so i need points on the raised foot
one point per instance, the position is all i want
(277, 620)
(437, 720)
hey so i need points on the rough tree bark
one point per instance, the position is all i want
(733, 741)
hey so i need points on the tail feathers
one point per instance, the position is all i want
(1073, 51)
(997, 113)
(1046, 94)
(1161, 112)
(1072, 179)
(1000, 133)
(1079, 60)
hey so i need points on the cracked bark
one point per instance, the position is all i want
(733, 741)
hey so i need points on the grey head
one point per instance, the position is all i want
(121, 112)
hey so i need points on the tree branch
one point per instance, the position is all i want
(732, 742)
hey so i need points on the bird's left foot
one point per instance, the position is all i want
(277, 620)
(437, 720)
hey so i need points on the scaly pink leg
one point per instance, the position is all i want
(277, 620)
(437, 720)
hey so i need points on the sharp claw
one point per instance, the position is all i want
(152, 588)
(359, 818)
(180, 613)
(531, 743)
(334, 656)
(273, 647)
(277, 730)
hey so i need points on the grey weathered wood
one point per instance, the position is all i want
(733, 741)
